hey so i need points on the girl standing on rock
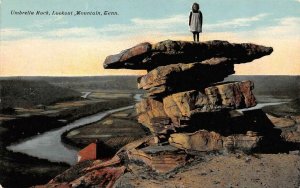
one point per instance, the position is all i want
(195, 21)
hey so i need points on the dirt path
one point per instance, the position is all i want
(265, 170)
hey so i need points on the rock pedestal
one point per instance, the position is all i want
(186, 103)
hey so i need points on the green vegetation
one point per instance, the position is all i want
(26, 94)
(114, 131)
(88, 83)
(286, 109)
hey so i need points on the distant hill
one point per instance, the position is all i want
(87, 83)
(27, 93)
(263, 85)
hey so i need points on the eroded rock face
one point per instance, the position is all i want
(146, 56)
(162, 116)
(181, 77)
(241, 142)
(203, 140)
(233, 95)
(149, 112)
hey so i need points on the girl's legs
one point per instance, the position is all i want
(196, 36)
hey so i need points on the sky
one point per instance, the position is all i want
(76, 45)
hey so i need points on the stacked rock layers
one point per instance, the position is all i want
(187, 104)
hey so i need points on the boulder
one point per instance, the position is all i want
(182, 77)
(201, 140)
(146, 56)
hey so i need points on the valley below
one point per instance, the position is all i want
(116, 127)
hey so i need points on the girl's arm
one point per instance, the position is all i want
(201, 18)
(190, 18)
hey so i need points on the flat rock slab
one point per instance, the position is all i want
(146, 56)
(174, 78)
(128, 57)
(161, 159)
(159, 148)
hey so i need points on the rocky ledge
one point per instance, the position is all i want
(148, 56)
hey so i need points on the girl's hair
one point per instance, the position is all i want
(196, 6)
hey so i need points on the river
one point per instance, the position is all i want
(49, 146)
(261, 105)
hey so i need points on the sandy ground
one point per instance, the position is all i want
(264, 170)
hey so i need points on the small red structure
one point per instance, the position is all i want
(97, 150)
(88, 153)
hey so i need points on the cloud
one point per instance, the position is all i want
(138, 25)
(165, 26)
(237, 22)
(13, 32)
(73, 32)
(161, 23)
(285, 28)
(80, 51)
(175, 24)
(57, 20)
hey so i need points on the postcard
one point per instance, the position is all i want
(149, 93)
